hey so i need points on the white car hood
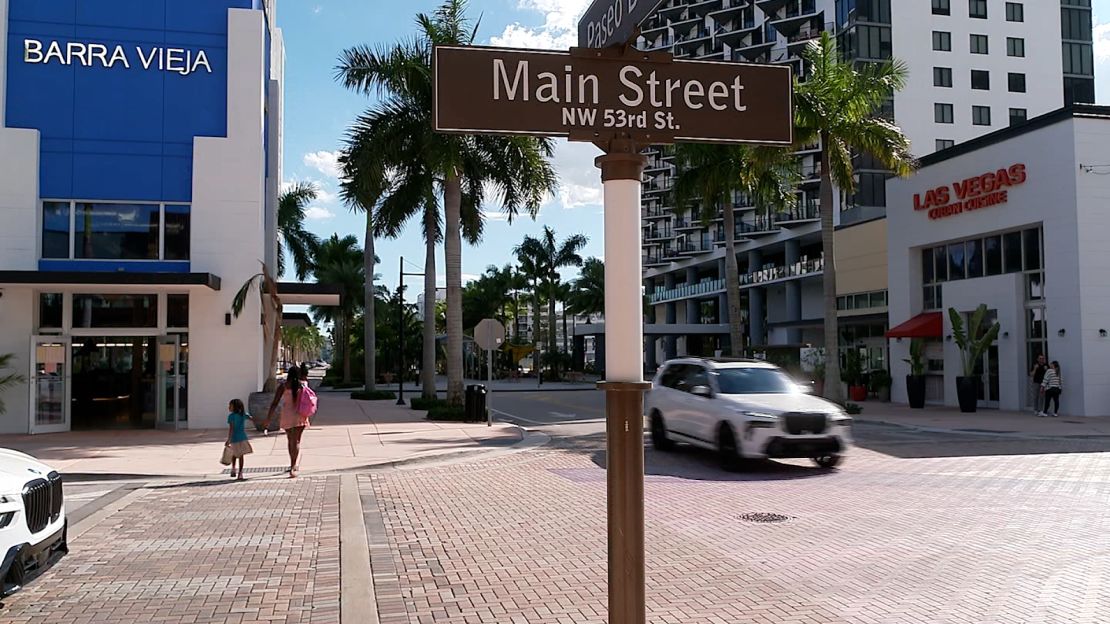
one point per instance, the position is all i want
(16, 469)
(776, 404)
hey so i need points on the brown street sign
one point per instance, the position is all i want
(589, 93)
(613, 22)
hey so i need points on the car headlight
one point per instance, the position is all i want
(6, 519)
(762, 420)
(841, 420)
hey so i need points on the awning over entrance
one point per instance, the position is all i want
(927, 325)
(296, 293)
(295, 319)
(94, 278)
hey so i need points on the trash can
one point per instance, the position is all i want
(475, 403)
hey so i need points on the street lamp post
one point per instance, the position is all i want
(401, 330)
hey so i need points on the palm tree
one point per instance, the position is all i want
(463, 166)
(7, 380)
(292, 237)
(563, 292)
(339, 261)
(532, 271)
(837, 103)
(589, 289)
(270, 302)
(711, 175)
(548, 256)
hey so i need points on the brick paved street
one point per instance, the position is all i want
(213, 552)
(1000, 539)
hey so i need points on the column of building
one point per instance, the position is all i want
(757, 303)
(793, 293)
(670, 341)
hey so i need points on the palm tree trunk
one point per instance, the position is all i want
(566, 348)
(833, 391)
(452, 250)
(428, 365)
(732, 284)
(346, 348)
(537, 364)
(551, 343)
(369, 328)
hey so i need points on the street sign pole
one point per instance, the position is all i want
(489, 390)
(621, 170)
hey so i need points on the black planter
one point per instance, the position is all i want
(967, 391)
(915, 390)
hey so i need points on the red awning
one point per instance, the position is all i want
(927, 325)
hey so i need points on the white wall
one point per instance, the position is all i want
(228, 233)
(912, 35)
(16, 314)
(1092, 138)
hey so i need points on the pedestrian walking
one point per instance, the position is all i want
(1053, 387)
(237, 444)
(1036, 378)
(298, 406)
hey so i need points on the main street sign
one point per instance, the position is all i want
(588, 94)
(613, 22)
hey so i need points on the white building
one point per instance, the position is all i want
(1016, 220)
(141, 165)
(975, 66)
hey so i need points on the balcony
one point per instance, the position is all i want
(701, 8)
(770, 7)
(733, 32)
(660, 43)
(730, 9)
(695, 247)
(658, 234)
(656, 165)
(805, 212)
(805, 267)
(811, 174)
(655, 212)
(686, 291)
(687, 43)
(796, 42)
(762, 225)
(796, 15)
(652, 260)
(755, 47)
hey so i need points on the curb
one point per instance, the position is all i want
(985, 434)
(495, 390)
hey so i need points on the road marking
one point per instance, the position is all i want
(527, 420)
(357, 598)
(564, 416)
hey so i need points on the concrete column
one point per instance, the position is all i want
(649, 290)
(670, 347)
(757, 313)
(721, 268)
(671, 307)
(599, 354)
(793, 293)
(578, 351)
(693, 311)
(691, 276)
(650, 362)
(722, 308)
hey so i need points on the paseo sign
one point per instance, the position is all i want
(481, 90)
(982, 191)
(174, 60)
(612, 22)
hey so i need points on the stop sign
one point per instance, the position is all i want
(489, 334)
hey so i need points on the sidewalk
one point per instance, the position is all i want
(345, 435)
(992, 422)
(525, 384)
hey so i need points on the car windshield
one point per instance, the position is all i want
(753, 380)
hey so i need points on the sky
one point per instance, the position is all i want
(318, 112)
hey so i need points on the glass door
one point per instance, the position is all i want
(50, 384)
(987, 370)
(168, 384)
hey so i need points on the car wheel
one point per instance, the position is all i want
(828, 461)
(727, 450)
(659, 439)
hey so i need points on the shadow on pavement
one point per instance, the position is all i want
(910, 443)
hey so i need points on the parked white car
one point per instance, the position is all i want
(744, 409)
(32, 519)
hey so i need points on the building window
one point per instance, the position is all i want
(1015, 46)
(1018, 116)
(981, 115)
(1012, 252)
(942, 76)
(50, 310)
(115, 311)
(942, 41)
(942, 7)
(977, 9)
(979, 44)
(114, 231)
(981, 79)
(1017, 82)
(943, 144)
(177, 311)
(942, 113)
(1079, 59)
(874, 42)
(1075, 24)
(871, 190)
(1079, 90)
(1015, 12)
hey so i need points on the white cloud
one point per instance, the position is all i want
(1102, 62)
(324, 195)
(559, 30)
(1102, 41)
(318, 213)
(326, 163)
(579, 178)
(495, 215)
(316, 9)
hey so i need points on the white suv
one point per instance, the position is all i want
(743, 409)
(32, 518)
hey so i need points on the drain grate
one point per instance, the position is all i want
(259, 470)
(761, 517)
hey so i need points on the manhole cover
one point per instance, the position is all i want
(760, 517)
(259, 470)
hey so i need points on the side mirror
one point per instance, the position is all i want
(702, 391)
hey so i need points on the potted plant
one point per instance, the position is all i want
(853, 376)
(915, 381)
(815, 361)
(972, 343)
(880, 382)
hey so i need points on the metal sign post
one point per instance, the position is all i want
(621, 100)
(489, 334)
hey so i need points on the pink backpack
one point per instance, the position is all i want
(306, 403)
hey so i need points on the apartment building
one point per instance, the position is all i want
(975, 66)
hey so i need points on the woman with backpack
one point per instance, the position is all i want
(298, 405)
(1052, 386)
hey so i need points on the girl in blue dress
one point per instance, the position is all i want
(237, 437)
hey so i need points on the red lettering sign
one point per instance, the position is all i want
(982, 191)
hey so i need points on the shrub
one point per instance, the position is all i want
(454, 413)
(853, 408)
(377, 395)
(420, 403)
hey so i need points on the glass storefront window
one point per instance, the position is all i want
(117, 231)
(1034, 289)
(176, 233)
(177, 311)
(50, 310)
(115, 311)
(927, 267)
(1032, 241)
(1011, 249)
(993, 251)
(940, 256)
(956, 267)
(55, 229)
(974, 258)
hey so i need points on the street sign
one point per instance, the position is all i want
(489, 334)
(592, 94)
(613, 22)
